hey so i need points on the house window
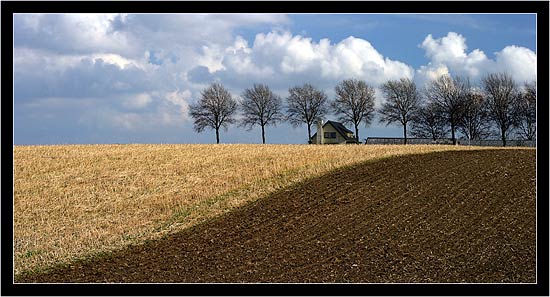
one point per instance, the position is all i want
(330, 134)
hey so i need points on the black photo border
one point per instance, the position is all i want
(8, 8)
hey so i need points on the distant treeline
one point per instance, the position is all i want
(498, 107)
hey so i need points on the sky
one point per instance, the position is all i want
(129, 78)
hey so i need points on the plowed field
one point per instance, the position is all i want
(462, 216)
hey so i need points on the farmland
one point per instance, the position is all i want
(73, 202)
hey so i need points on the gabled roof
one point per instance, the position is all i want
(340, 128)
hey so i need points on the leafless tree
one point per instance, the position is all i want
(429, 123)
(305, 105)
(474, 122)
(402, 105)
(354, 103)
(527, 111)
(502, 96)
(449, 94)
(260, 106)
(214, 110)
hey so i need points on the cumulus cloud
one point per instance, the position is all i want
(286, 59)
(449, 55)
(519, 61)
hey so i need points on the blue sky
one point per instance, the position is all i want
(118, 78)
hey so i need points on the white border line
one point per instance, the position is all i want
(232, 13)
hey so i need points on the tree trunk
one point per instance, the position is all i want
(309, 133)
(217, 135)
(453, 133)
(503, 136)
(357, 134)
(405, 132)
(263, 134)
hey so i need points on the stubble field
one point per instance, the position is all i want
(74, 201)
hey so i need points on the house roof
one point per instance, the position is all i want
(340, 128)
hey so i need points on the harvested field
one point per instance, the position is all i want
(74, 201)
(458, 216)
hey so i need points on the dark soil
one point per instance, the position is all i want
(442, 217)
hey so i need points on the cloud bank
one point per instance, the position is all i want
(140, 72)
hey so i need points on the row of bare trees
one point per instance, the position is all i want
(453, 104)
(217, 109)
(448, 104)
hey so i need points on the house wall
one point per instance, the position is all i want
(339, 138)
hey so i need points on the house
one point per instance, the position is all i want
(332, 133)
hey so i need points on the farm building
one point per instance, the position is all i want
(461, 141)
(332, 133)
(410, 140)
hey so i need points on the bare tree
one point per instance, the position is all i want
(448, 95)
(304, 105)
(214, 110)
(527, 111)
(261, 107)
(502, 96)
(474, 122)
(403, 102)
(354, 103)
(429, 123)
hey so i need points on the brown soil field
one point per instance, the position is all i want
(458, 216)
(75, 201)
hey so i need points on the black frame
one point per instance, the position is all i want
(541, 8)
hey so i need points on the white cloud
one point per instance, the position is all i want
(180, 99)
(71, 33)
(137, 36)
(449, 54)
(285, 59)
(79, 76)
(211, 58)
(117, 60)
(450, 47)
(521, 62)
(239, 59)
(429, 72)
